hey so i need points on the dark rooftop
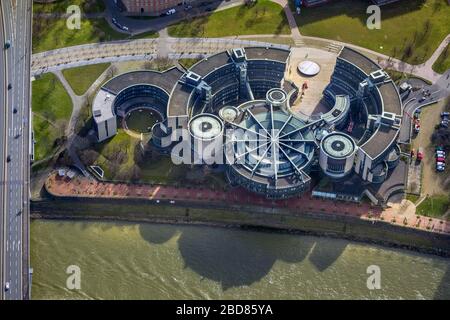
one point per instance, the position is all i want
(207, 65)
(358, 59)
(391, 99)
(178, 102)
(165, 80)
(383, 138)
(261, 53)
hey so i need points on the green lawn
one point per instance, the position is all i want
(81, 78)
(410, 30)
(50, 34)
(60, 6)
(52, 108)
(434, 206)
(412, 197)
(265, 17)
(109, 152)
(187, 63)
(442, 63)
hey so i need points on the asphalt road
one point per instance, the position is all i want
(3, 142)
(16, 144)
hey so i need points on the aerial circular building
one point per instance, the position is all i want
(238, 102)
(337, 154)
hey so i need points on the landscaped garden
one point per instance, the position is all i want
(52, 108)
(410, 30)
(262, 17)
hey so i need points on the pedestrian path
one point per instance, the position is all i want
(84, 187)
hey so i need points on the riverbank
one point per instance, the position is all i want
(244, 217)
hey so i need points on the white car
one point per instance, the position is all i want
(6, 286)
(170, 12)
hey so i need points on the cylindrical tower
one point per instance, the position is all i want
(277, 98)
(206, 132)
(337, 154)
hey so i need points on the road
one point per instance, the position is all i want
(438, 91)
(17, 17)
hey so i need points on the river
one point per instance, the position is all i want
(150, 261)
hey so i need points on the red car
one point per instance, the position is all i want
(440, 159)
(420, 154)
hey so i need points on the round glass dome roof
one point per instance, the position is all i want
(338, 145)
(271, 143)
(205, 126)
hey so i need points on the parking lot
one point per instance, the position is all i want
(433, 183)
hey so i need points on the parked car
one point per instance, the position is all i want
(440, 159)
(441, 164)
(420, 154)
(187, 7)
(439, 148)
(440, 167)
(440, 154)
(7, 286)
(417, 113)
(417, 126)
(170, 12)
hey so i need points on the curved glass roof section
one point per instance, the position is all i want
(271, 143)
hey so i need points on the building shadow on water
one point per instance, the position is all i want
(237, 258)
(323, 256)
(443, 290)
(157, 234)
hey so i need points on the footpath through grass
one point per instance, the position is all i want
(52, 108)
(264, 17)
(81, 78)
(410, 30)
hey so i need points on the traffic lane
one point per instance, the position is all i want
(15, 224)
(2, 151)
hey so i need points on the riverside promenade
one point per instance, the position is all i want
(82, 187)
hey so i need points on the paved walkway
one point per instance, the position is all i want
(83, 187)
